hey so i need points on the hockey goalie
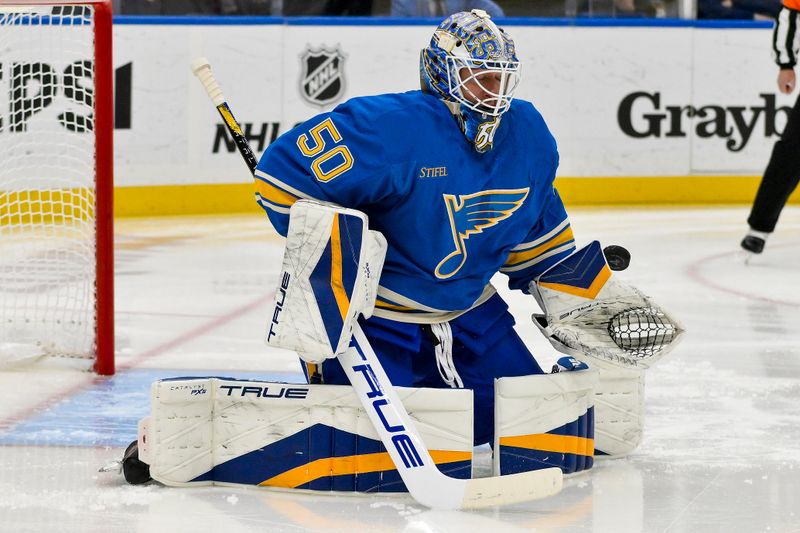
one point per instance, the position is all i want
(398, 210)
(316, 436)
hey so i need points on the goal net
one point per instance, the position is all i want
(56, 125)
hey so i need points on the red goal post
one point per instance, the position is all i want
(56, 181)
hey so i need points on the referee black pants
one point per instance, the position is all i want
(780, 177)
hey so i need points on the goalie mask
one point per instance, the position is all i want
(471, 64)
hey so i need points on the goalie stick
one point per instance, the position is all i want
(426, 484)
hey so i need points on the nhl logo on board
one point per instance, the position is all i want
(322, 78)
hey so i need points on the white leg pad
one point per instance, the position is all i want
(543, 421)
(216, 431)
(619, 409)
(329, 278)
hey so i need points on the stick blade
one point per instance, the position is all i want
(512, 488)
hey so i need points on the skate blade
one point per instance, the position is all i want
(114, 466)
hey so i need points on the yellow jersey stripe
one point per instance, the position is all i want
(544, 238)
(568, 247)
(520, 257)
(273, 194)
(268, 205)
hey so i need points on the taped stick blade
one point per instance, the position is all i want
(512, 488)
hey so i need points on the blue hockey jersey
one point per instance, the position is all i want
(452, 217)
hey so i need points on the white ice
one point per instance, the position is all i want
(721, 449)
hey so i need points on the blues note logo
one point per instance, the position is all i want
(472, 213)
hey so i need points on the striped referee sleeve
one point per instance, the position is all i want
(784, 38)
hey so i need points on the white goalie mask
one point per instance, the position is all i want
(470, 60)
(483, 85)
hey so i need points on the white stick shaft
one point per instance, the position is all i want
(424, 481)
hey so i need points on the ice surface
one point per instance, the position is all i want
(720, 451)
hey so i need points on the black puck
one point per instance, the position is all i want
(618, 258)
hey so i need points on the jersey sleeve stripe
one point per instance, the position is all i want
(515, 258)
(274, 195)
(544, 238)
(784, 38)
(568, 247)
(267, 205)
(272, 180)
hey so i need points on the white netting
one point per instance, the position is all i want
(642, 331)
(47, 182)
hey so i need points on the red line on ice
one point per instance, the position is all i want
(6, 423)
(189, 335)
(694, 271)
